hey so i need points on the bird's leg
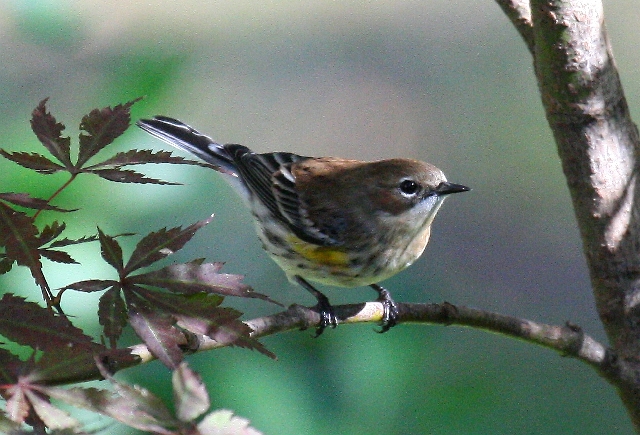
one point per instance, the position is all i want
(327, 316)
(390, 313)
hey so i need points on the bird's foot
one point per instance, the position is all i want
(327, 315)
(323, 307)
(390, 309)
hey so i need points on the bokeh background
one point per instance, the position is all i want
(447, 81)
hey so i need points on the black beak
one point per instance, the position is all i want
(447, 188)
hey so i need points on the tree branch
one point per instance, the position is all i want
(519, 12)
(568, 340)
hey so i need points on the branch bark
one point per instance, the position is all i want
(598, 145)
(519, 13)
(568, 340)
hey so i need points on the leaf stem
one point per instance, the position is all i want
(57, 192)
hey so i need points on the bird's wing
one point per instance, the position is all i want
(269, 177)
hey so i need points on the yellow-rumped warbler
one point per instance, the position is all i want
(333, 221)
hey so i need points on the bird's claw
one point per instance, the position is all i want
(327, 316)
(390, 313)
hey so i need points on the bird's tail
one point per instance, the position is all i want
(181, 136)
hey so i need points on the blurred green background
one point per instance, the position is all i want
(446, 81)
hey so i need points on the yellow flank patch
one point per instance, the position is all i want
(325, 255)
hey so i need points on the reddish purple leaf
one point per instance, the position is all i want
(19, 237)
(156, 246)
(189, 393)
(37, 162)
(49, 133)
(133, 406)
(156, 330)
(101, 128)
(57, 256)
(67, 242)
(9, 427)
(46, 235)
(67, 364)
(5, 264)
(223, 421)
(197, 307)
(140, 157)
(30, 324)
(50, 232)
(110, 250)
(237, 333)
(145, 404)
(127, 176)
(138, 408)
(84, 239)
(202, 315)
(112, 315)
(193, 277)
(62, 365)
(11, 366)
(92, 285)
(86, 398)
(17, 407)
(25, 200)
(53, 417)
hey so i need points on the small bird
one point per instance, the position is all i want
(333, 221)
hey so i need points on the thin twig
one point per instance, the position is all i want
(519, 12)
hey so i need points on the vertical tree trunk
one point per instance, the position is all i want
(598, 145)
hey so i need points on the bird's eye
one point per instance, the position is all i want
(409, 187)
